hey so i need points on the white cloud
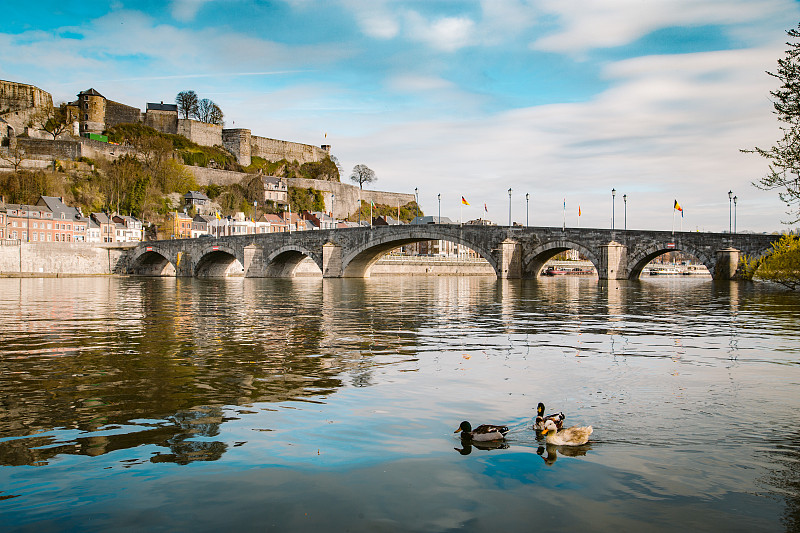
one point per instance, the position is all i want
(587, 24)
(186, 10)
(447, 34)
(671, 127)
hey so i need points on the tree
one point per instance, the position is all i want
(784, 156)
(53, 120)
(209, 112)
(362, 174)
(15, 156)
(782, 265)
(187, 103)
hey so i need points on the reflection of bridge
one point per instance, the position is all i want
(513, 252)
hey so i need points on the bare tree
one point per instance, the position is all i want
(362, 174)
(53, 120)
(187, 103)
(15, 156)
(209, 112)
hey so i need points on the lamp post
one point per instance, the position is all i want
(730, 211)
(527, 206)
(625, 210)
(734, 214)
(613, 201)
(509, 206)
(333, 209)
(416, 196)
(439, 197)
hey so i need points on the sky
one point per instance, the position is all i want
(563, 101)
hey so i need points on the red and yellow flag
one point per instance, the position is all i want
(579, 210)
(677, 206)
(464, 201)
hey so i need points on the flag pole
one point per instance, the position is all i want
(564, 222)
(673, 220)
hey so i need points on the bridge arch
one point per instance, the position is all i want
(283, 262)
(359, 261)
(643, 256)
(534, 261)
(215, 261)
(151, 261)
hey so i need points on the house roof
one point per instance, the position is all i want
(162, 107)
(57, 206)
(101, 218)
(275, 180)
(195, 195)
(90, 92)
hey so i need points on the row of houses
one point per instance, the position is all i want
(51, 220)
(182, 226)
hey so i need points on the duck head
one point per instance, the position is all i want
(540, 409)
(549, 426)
(464, 427)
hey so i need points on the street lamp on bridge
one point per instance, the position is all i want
(527, 205)
(509, 206)
(439, 197)
(734, 214)
(625, 211)
(416, 199)
(730, 211)
(613, 201)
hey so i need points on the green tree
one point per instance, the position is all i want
(783, 264)
(362, 174)
(784, 156)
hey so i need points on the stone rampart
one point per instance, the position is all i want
(275, 150)
(347, 196)
(200, 132)
(20, 96)
(57, 259)
(163, 121)
(206, 176)
(237, 142)
(49, 147)
(117, 113)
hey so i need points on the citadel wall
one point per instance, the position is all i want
(275, 150)
(200, 132)
(237, 142)
(117, 113)
(163, 121)
(19, 96)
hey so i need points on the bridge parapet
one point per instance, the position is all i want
(512, 252)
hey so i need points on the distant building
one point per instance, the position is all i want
(108, 228)
(385, 220)
(69, 224)
(95, 113)
(275, 190)
(196, 199)
(129, 229)
(431, 220)
(179, 225)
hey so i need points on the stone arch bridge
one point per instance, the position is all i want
(513, 252)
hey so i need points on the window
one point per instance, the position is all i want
(14, 224)
(13, 234)
(35, 226)
(49, 237)
(34, 236)
(49, 225)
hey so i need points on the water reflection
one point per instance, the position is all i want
(552, 452)
(328, 374)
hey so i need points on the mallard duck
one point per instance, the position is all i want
(484, 432)
(557, 418)
(572, 436)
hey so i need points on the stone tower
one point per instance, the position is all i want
(92, 107)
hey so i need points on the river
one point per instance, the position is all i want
(168, 404)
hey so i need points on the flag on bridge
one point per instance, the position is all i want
(678, 207)
(485, 208)
(579, 210)
(464, 201)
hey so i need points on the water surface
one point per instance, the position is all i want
(298, 405)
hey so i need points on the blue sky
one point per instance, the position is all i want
(561, 100)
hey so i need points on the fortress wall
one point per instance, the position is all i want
(200, 132)
(100, 150)
(117, 113)
(49, 147)
(18, 96)
(275, 150)
(206, 176)
(237, 142)
(347, 196)
(163, 121)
